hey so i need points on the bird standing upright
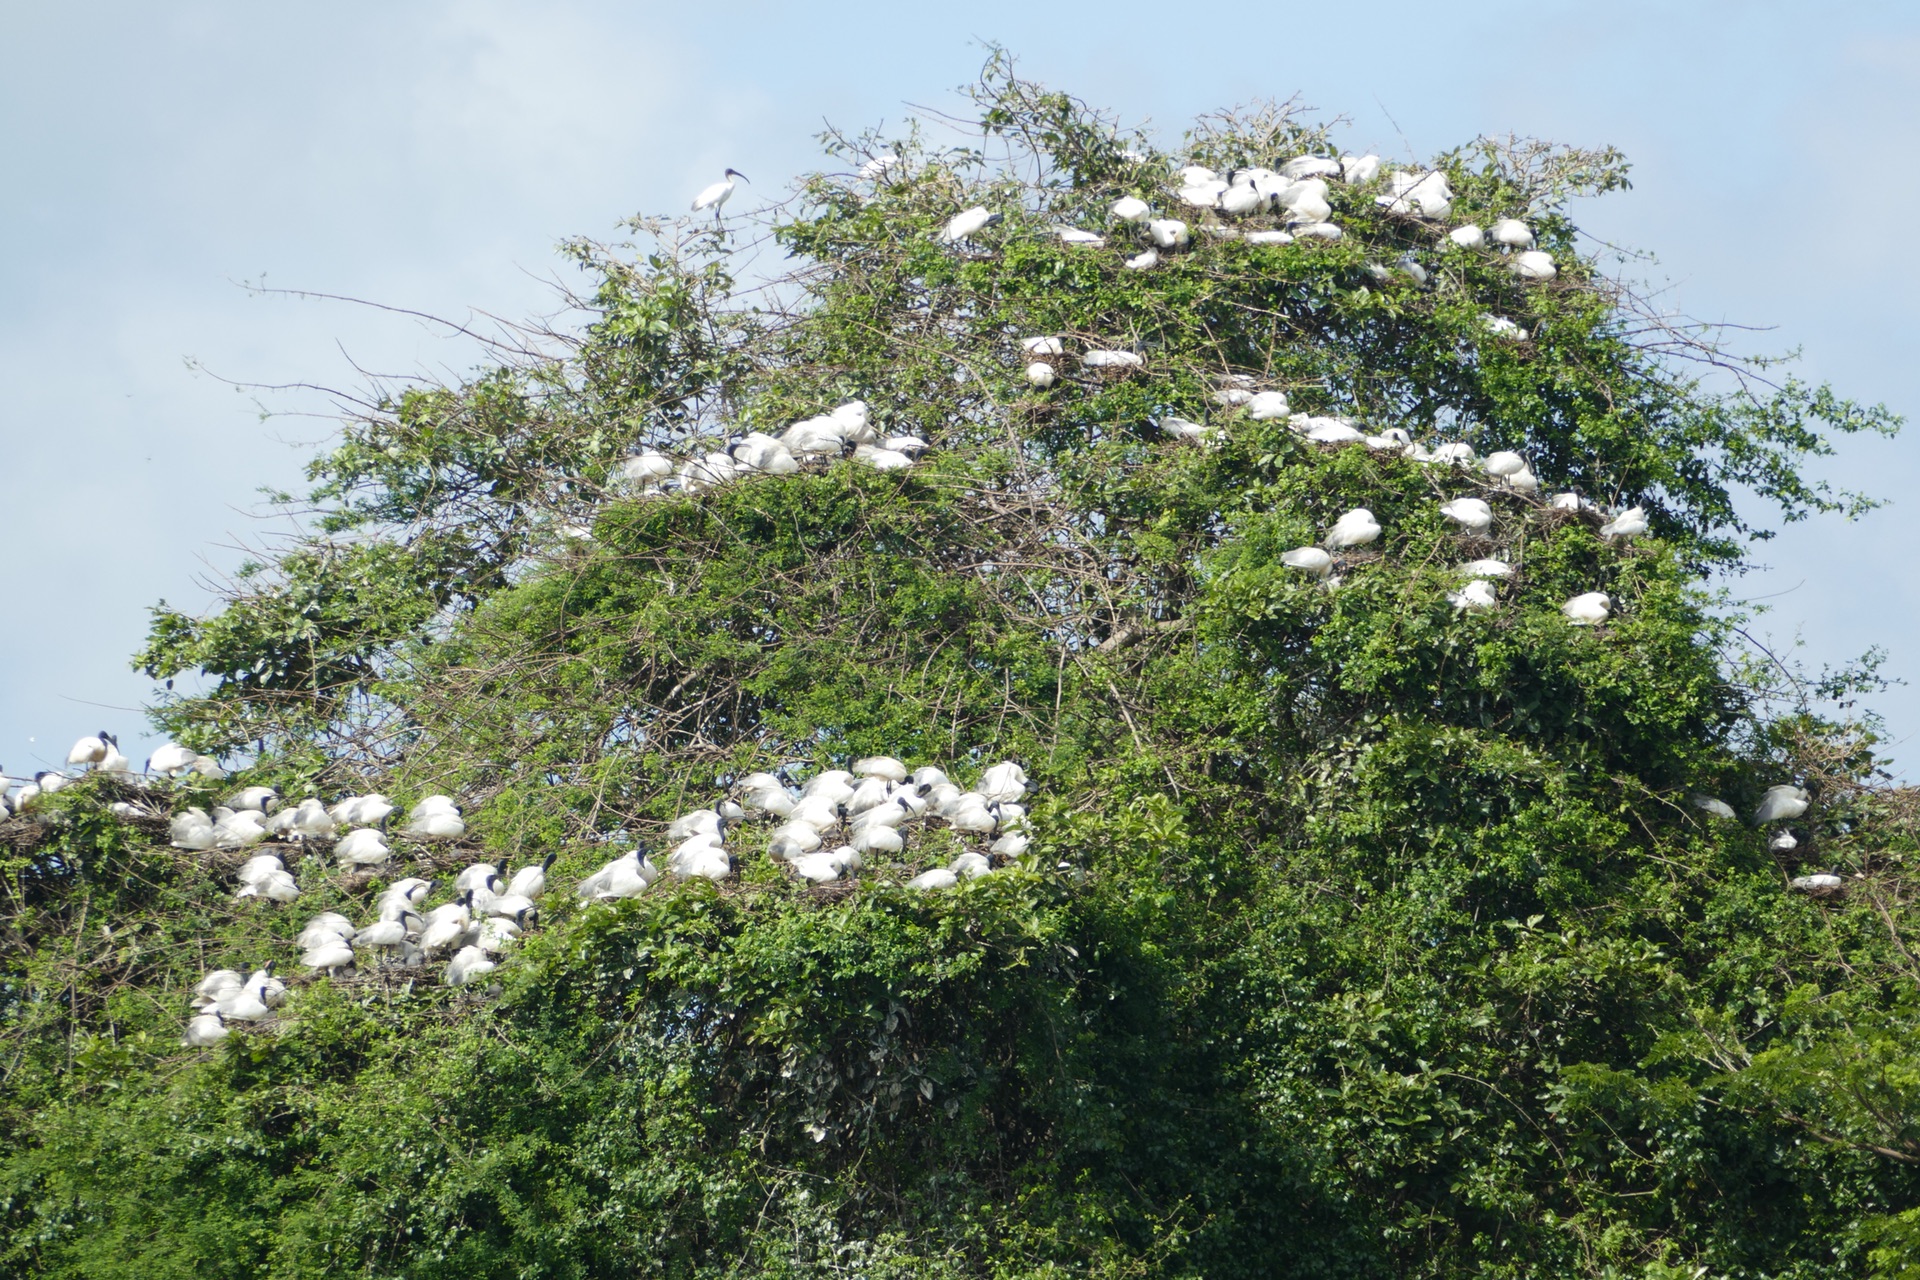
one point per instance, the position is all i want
(716, 195)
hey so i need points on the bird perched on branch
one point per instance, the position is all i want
(719, 193)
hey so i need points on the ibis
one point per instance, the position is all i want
(1356, 528)
(716, 195)
(1588, 609)
(1471, 514)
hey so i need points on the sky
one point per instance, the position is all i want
(158, 163)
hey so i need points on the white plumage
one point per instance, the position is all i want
(1780, 803)
(1589, 609)
(1356, 528)
(1471, 514)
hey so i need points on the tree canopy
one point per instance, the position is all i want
(1361, 933)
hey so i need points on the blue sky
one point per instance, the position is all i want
(429, 155)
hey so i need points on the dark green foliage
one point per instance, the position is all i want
(1362, 936)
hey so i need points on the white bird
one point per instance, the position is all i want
(647, 466)
(1131, 209)
(1779, 803)
(1182, 429)
(1501, 327)
(277, 886)
(878, 166)
(707, 862)
(191, 829)
(970, 865)
(329, 956)
(882, 459)
(1535, 265)
(311, 819)
(530, 881)
(1356, 528)
(205, 1029)
(1471, 514)
(1393, 439)
(382, 935)
(1511, 233)
(1821, 884)
(1266, 406)
(625, 877)
(261, 798)
(836, 785)
(1201, 195)
(328, 924)
(1318, 231)
(435, 823)
(207, 767)
(219, 983)
(1629, 523)
(1718, 808)
(1232, 397)
(1589, 609)
(1456, 454)
(1011, 845)
(791, 840)
(823, 868)
(1785, 842)
(1489, 568)
(1168, 233)
(1477, 594)
(698, 822)
(1504, 463)
(872, 837)
(966, 222)
(1305, 201)
(1359, 169)
(1268, 237)
(1045, 345)
(1241, 198)
(369, 810)
(759, 452)
(256, 868)
(716, 195)
(467, 964)
(1112, 360)
(1310, 167)
(90, 750)
(1041, 374)
(449, 931)
(1335, 432)
(1524, 481)
(1005, 782)
(1468, 237)
(238, 830)
(1146, 261)
(247, 1002)
(1312, 560)
(870, 794)
(938, 878)
(363, 847)
(494, 934)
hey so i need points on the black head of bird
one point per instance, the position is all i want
(548, 864)
(735, 173)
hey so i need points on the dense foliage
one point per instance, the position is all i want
(1363, 935)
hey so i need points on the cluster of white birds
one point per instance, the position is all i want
(1358, 528)
(1781, 803)
(492, 908)
(823, 829)
(846, 431)
(355, 826)
(1298, 195)
(100, 753)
